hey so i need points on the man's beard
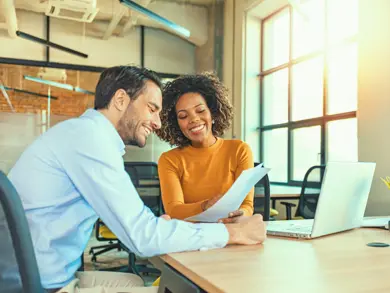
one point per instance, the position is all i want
(129, 132)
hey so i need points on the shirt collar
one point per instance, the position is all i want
(102, 120)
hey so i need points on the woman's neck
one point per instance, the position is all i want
(206, 143)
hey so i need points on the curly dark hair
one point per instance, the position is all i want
(211, 89)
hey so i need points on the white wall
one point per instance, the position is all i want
(19, 48)
(374, 97)
(104, 53)
(150, 153)
(17, 131)
(251, 103)
(165, 52)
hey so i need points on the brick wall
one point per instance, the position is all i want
(69, 103)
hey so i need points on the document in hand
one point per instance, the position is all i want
(234, 197)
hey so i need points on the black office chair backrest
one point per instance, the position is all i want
(144, 176)
(308, 200)
(260, 203)
(18, 266)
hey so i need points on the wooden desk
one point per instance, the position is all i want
(334, 263)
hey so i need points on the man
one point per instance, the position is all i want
(74, 173)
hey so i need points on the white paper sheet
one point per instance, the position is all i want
(234, 197)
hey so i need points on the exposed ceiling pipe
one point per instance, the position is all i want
(132, 21)
(9, 13)
(114, 22)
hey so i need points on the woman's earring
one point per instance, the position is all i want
(213, 121)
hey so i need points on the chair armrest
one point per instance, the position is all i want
(288, 204)
(288, 209)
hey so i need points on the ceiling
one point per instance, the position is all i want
(107, 7)
(32, 3)
(195, 2)
(191, 14)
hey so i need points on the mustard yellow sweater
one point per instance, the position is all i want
(190, 176)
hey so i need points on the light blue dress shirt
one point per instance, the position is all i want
(73, 174)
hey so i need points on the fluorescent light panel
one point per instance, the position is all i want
(49, 82)
(58, 84)
(139, 8)
(80, 90)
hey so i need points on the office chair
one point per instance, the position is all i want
(307, 204)
(102, 233)
(262, 205)
(18, 266)
(144, 176)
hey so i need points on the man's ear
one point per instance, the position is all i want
(120, 100)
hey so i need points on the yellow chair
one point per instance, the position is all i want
(273, 213)
(104, 234)
(157, 282)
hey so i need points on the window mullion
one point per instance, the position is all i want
(289, 134)
(325, 86)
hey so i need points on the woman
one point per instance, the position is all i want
(196, 113)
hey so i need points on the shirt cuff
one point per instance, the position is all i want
(215, 235)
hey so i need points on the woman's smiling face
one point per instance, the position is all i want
(194, 119)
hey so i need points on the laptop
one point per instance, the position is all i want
(341, 204)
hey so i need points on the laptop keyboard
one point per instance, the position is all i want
(304, 226)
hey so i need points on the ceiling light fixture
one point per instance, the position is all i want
(58, 84)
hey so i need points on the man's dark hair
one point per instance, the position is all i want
(132, 79)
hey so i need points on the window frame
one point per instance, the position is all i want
(292, 125)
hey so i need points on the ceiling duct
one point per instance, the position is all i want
(77, 10)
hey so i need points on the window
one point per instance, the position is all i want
(308, 85)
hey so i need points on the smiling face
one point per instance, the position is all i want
(141, 116)
(194, 119)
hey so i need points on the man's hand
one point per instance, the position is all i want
(247, 230)
(165, 217)
(233, 217)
